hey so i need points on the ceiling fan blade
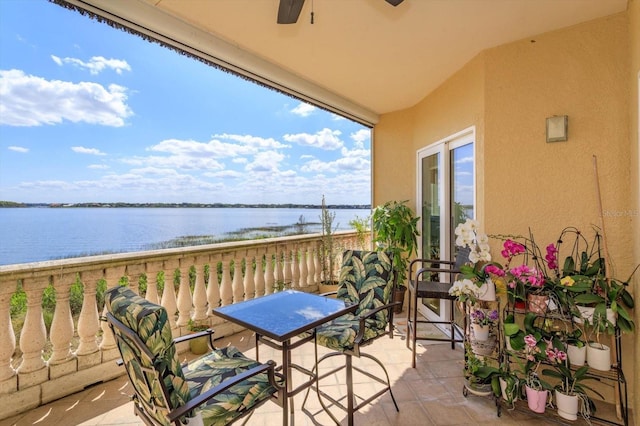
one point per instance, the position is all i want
(394, 2)
(289, 10)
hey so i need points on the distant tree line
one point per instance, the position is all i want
(183, 205)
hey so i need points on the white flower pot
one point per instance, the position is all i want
(586, 314)
(487, 291)
(536, 399)
(480, 332)
(503, 388)
(567, 405)
(599, 356)
(577, 356)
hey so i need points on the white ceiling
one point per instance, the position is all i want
(377, 56)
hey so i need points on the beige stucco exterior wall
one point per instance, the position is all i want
(634, 159)
(585, 72)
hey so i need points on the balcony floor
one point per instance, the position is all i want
(430, 394)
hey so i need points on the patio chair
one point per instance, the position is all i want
(366, 278)
(216, 389)
(425, 286)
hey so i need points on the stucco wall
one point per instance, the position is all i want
(585, 72)
(634, 159)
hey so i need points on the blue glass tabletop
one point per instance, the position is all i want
(284, 314)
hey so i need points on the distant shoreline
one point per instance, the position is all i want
(11, 204)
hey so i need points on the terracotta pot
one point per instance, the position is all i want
(199, 345)
(567, 405)
(537, 303)
(536, 399)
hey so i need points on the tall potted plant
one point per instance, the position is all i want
(328, 251)
(395, 230)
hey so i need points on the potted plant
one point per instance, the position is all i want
(395, 230)
(570, 390)
(328, 251)
(478, 375)
(198, 345)
(361, 225)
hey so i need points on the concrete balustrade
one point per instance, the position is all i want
(38, 367)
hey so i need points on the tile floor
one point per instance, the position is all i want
(430, 394)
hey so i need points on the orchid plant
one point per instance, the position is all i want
(483, 318)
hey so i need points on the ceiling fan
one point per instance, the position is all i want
(289, 10)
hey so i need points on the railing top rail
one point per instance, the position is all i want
(77, 264)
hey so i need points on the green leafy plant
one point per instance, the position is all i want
(395, 229)
(328, 251)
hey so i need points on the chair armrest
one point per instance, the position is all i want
(429, 261)
(362, 318)
(268, 367)
(208, 332)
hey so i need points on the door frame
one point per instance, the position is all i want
(443, 147)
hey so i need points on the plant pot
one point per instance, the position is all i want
(487, 291)
(483, 347)
(519, 305)
(398, 296)
(327, 287)
(577, 355)
(586, 314)
(509, 395)
(537, 303)
(478, 389)
(536, 399)
(199, 345)
(567, 405)
(599, 356)
(480, 332)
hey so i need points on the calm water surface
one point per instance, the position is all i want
(36, 234)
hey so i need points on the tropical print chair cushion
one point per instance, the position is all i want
(150, 322)
(238, 399)
(366, 278)
(183, 382)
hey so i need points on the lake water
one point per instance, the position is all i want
(37, 234)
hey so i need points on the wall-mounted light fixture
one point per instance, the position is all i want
(557, 127)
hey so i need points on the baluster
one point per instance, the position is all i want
(88, 324)
(258, 276)
(113, 276)
(185, 301)
(152, 270)
(213, 289)
(168, 299)
(7, 336)
(226, 288)
(268, 275)
(311, 266)
(134, 273)
(199, 291)
(279, 266)
(34, 334)
(249, 282)
(317, 261)
(287, 267)
(62, 324)
(304, 274)
(295, 268)
(237, 284)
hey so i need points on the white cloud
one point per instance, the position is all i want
(27, 100)
(324, 139)
(226, 174)
(253, 141)
(98, 167)
(267, 161)
(303, 110)
(18, 149)
(361, 136)
(83, 150)
(96, 64)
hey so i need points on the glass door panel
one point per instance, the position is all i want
(431, 206)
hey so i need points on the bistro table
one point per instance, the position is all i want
(279, 317)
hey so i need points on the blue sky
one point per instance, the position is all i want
(89, 113)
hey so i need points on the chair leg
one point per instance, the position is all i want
(352, 406)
